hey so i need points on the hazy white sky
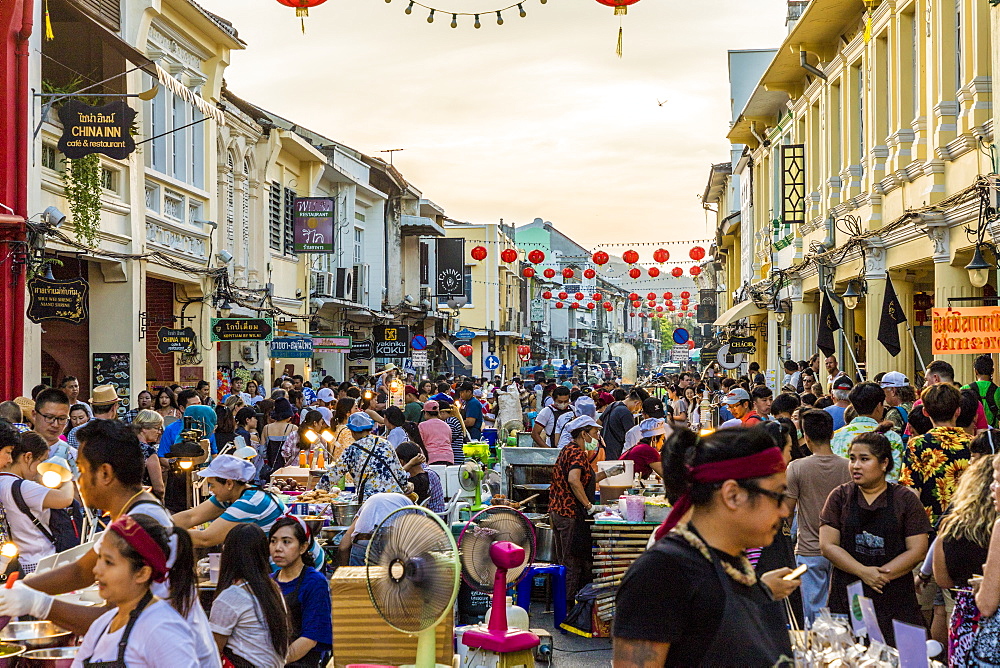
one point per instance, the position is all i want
(535, 118)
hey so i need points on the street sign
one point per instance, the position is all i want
(419, 342)
(174, 340)
(294, 347)
(242, 329)
(419, 358)
(465, 334)
(681, 336)
(362, 350)
(391, 341)
(680, 354)
(491, 363)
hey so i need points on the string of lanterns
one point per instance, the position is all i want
(600, 258)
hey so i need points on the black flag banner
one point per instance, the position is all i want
(450, 280)
(828, 324)
(892, 316)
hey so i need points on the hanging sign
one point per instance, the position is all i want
(362, 350)
(338, 344)
(465, 334)
(450, 269)
(106, 129)
(742, 344)
(708, 307)
(114, 369)
(391, 341)
(965, 331)
(314, 225)
(242, 329)
(294, 347)
(174, 340)
(57, 299)
(537, 312)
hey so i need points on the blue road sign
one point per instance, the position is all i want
(419, 342)
(492, 363)
(465, 334)
(681, 336)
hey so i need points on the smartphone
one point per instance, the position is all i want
(797, 573)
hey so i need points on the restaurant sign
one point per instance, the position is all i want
(965, 331)
(57, 299)
(292, 347)
(242, 329)
(313, 228)
(332, 343)
(106, 129)
(171, 340)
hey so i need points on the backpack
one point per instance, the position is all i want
(556, 414)
(989, 401)
(64, 523)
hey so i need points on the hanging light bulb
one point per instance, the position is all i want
(409, 7)
(499, 18)
(780, 312)
(430, 17)
(477, 24)
(979, 269)
(851, 296)
(520, 9)
(454, 20)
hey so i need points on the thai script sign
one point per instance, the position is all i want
(314, 225)
(242, 329)
(55, 299)
(970, 331)
(292, 347)
(106, 129)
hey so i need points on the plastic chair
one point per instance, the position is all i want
(558, 576)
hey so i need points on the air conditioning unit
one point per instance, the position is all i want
(345, 283)
(323, 283)
(360, 283)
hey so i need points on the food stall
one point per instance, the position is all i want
(525, 472)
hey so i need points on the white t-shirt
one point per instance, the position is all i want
(376, 508)
(237, 614)
(160, 637)
(632, 438)
(32, 543)
(547, 418)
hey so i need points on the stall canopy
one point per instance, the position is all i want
(741, 310)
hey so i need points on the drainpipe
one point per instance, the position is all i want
(812, 69)
(753, 130)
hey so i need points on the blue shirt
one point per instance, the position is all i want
(474, 409)
(838, 415)
(314, 597)
(172, 434)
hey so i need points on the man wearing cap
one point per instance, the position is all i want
(324, 400)
(899, 398)
(104, 401)
(868, 400)
(840, 390)
(989, 393)
(437, 435)
(472, 411)
(741, 406)
(371, 461)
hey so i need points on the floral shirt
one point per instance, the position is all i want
(932, 465)
(384, 473)
(841, 442)
(562, 501)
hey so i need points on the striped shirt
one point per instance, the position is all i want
(258, 507)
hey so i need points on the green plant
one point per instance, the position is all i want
(82, 179)
(39, 269)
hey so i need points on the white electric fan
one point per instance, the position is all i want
(470, 479)
(413, 575)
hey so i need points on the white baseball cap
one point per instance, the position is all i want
(325, 395)
(894, 379)
(229, 467)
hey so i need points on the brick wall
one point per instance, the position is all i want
(159, 313)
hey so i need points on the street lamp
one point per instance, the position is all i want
(780, 312)
(979, 269)
(851, 295)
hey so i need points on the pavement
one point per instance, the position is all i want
(570, 649)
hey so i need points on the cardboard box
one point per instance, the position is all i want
(360, 635)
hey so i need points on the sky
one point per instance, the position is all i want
(534, 118)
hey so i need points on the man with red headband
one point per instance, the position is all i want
(694, 599)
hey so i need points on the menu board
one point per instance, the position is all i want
(115, 369)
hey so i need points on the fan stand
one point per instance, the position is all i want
(497, 637)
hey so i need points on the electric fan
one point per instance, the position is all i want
(470, 479)
(413, 575)
(497, 548)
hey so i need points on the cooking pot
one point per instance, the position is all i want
(9, 654)
(56, 657)
(344, 513)
(543, 543)
(36, 635)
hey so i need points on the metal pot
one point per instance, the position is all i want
(543, 543)
(9, 654)
(344, 513)
(36, 635)
(57, 657)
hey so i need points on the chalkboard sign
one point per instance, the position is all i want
(115, 369)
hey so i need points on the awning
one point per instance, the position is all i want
(443, 340)
(741, 310)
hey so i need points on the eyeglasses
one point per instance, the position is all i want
(55, 419)
(778, 497)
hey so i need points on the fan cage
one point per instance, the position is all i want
(467, 542)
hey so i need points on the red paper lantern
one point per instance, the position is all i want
(524, 351)
(465, 350)
(668, 295)
(636, 303)
(578, 296)
(651, 303)
(684, 302)
(598, 297)
(559, 304)
(672, 307)
(654, 272)
(651, 296)
(697, 253)
(635, 272)
(668, 302)
(630, 257)
(479, 253)
(549, 273)
(695, 270)
(677, 272)
(528, 272)
(633, 296)
(601, 258)
(661, 255)
(591, 305)
(690, 344)
(509, 255)
(642, 315)
(608, 306)
(575, 305)
(567, 273)
(659, 309)
(547, 295)
(632, 314)
(536, 257)
(589, 273)
(563, 295)
(302, 7)
(621, 6)
(685, 295)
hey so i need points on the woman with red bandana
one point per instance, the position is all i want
(693, 598)
(141, 630)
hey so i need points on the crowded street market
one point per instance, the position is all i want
(264, 403)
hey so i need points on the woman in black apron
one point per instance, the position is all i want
(306, 593)
(694, 599)
(875, 532)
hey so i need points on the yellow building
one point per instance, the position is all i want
(862, 160)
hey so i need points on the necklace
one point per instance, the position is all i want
(745, 575)
(128, 502)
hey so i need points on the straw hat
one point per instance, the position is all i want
(26, 404)
(103, 395)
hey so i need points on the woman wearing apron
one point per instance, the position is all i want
(141, 630)
(273, 437)
(306, 593)
(875, 532)
(693, 599)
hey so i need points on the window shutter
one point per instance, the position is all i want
(793, 184)
(274, 216)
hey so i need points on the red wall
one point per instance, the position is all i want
(159, 313)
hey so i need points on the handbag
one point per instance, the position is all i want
(985, 651)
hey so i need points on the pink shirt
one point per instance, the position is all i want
(437, 439)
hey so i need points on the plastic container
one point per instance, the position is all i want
(635, 508)
(517, 617)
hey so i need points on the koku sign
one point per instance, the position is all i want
(242, 329)
(392, 341)
(969, 331)
(314, 225)
(54, 299)
(106, 129)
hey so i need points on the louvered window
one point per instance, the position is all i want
(274, 216)
(230, 204)
(289, 221)
(246, 215)
(107, 12)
